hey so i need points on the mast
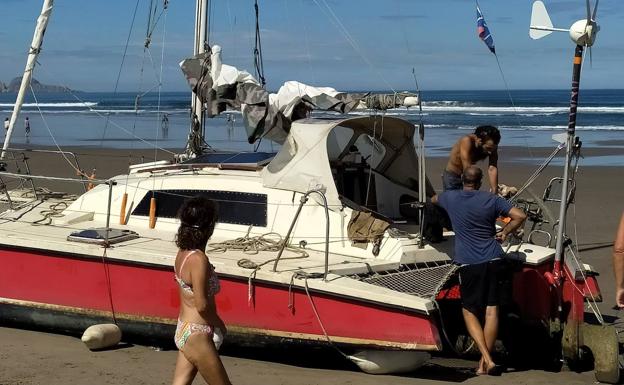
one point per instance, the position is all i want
(200, 46)
(35, 48)
(563, 207)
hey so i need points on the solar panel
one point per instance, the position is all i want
(250, 158)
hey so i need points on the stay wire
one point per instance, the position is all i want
(98, 113)
(123, 60)
(45, 123)
(160, 83)
(513, 104)
(341, 27)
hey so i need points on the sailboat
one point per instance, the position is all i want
(320, 243)
(305, 248)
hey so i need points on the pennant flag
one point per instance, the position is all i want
(484, 31)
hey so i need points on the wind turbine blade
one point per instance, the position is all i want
(588, 11)
(540, 21)
(595, 10)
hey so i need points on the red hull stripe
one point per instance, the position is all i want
(140, 291)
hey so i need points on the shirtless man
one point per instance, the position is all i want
(468, 151)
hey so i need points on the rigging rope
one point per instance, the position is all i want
(45, 123)
(91, 109)
(258, 62)
(160, 80)
(513, 104)
(123, 60)
(341, 27)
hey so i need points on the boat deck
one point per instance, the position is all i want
(38, 226)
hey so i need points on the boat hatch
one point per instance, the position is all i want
(98, 236)
(424, 282)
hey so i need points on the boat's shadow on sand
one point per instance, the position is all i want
(327, 358)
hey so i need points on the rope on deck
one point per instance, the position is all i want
(271, 242)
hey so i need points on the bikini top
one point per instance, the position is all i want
(213, 286)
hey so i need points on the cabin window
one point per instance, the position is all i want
(371, 149)
(337, 141)
(235, 207)
(352, 172)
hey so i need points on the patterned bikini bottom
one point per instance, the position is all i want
(185, 329)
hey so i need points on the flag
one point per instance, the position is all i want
(484, 31)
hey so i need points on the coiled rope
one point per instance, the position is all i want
(269, 242)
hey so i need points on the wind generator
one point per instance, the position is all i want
(582, 32)
(568, 278)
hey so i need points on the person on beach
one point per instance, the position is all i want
(199, 325)
(470, 149)
(165, 126)
(6, 124)
(478, 251)
(618, 264)
(27, 127)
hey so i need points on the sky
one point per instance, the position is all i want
(345, 44)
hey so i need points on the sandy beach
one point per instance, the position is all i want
(34, 357)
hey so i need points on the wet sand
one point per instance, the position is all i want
(31, 357)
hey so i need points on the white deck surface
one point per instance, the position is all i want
(157, 247)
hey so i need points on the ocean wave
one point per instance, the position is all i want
(52, 105)
(141, 111)
(392, 112)
(549, 128)
(96, 111)
(447, 103)
(536, 111)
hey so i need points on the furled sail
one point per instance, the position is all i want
(270, 115)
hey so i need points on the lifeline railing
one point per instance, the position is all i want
(108, 182)
(304, 200)
(24, 159)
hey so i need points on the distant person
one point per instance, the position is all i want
(6, 124)
(470, 149)
(478, 252)
(618, 264)
(199, 325)
(27, 127)
(165, 125)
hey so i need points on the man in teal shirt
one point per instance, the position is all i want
(478, 251)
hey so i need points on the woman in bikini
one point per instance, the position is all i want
(198, 284)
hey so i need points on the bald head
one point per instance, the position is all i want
(472, 177)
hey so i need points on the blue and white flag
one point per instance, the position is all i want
(484, 31)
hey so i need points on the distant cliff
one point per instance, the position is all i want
(14, 86)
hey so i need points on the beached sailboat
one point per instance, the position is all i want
(301, 251)
(319, 243)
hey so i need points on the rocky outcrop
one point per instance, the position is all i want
(14, 86)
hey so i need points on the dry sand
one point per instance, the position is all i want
(29, 357)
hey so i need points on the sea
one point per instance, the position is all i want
(527, 119)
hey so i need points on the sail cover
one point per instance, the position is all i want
(269, 115)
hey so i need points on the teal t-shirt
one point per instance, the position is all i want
(473, 216)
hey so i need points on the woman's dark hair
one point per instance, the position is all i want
(198, 216)
(488, 132)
